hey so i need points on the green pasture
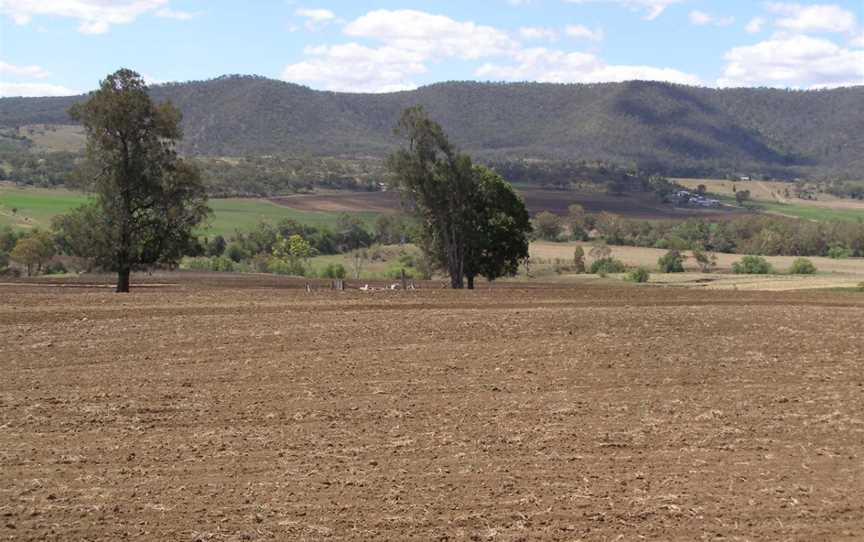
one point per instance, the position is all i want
(34, 208)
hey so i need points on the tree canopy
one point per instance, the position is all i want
(473, 222)
(148, 199)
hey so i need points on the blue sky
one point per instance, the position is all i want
(57, 47)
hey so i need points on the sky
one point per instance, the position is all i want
(63, 47)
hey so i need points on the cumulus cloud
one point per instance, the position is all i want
(755, 25)
(652, 8)
(93, 16)
(538, 33)
(700, 18)
(22, 71)
(430, 35)
(555, 66)
(168, 13)
(795, 61)
(356, 68)
(316, 18)
(582, 32)
(813, 18)
(34, 89)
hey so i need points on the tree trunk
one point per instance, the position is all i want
(470, 282)
(123, 281)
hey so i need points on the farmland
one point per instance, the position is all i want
(34, 207)
(247, 409)
(778, 198)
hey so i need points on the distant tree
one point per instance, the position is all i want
(639, 275)
(148, 199)
(547, 225)
(702, 190)
(707, 261)
(579, 259)
(600, 251)
(216, 246)
(671, 262)
(350, 232)
(33, 251)
(359, 259)
(293, 252)
(577, 223)
(742, 196)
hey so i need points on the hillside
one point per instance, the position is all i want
(659, 127)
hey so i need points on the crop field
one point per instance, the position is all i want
(35, 207)
(225, 408)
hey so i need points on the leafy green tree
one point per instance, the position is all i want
(547, 225)
(149, 200)
(500, 228)
(351, 233)
(439, 182)
(671, 262)
(293, 252)
(33, 250)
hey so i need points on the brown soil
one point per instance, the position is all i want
(556, 201)
(243, 408)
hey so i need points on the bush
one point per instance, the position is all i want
(639, 275)
(604, 266)
(839, 252)
(860, 287)
(671, 262)
(278, 266)
(752, 265)
(204, 263)
(334, 271)
(802, 266)
(55, 268)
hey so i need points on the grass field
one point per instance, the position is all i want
(34, 208)
(771, 197)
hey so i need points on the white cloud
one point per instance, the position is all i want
(352, 67)
(700, 18)
(316, 18)
(554, 66)
(168, 13)
(858, 41)
(813, 18)
(93, 16)
(34, 89)
(22, 71)
(794, 61)
(654, 8)
(583, 32)
(538, 33)
(755, 25)
(519, 2)
(430, 35)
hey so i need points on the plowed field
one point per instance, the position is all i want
(245, 409)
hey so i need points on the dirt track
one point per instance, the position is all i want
(257, 413)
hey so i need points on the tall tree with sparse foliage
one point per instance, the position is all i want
(148, 199)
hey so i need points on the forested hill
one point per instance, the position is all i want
(658, 127)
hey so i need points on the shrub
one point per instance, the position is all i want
(671, 262)
(707, 261)
(604, 266)
(639, 275)
(802, 266)
(838, 252)
(278, 266)
(860, 287)
(334, 271)
(752, 265)
(204, 263)
(579, 259)
(55, 268)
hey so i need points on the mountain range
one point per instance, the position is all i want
(656, 127)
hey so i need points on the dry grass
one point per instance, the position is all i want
(832, 273)
(55, 137)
